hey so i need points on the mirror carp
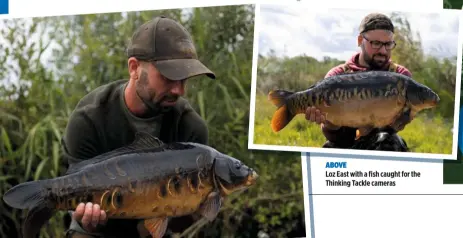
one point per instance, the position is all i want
(363, 100)
(146, 180)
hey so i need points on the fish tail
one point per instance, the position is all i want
(36, 217)
(25, 195)
(33, 196)
(282, 116)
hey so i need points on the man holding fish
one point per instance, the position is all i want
(376, 43)
(161, 57)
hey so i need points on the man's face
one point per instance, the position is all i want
(376, 47)
(157, 89)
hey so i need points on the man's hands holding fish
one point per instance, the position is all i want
(90, 216)
(315, 115)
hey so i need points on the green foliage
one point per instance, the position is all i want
(453, 4)
(86, 51)
(430, 132)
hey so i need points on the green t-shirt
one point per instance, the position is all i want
(101, 122)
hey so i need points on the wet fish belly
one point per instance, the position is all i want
(376, 112)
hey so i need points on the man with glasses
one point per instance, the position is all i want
(376, 41)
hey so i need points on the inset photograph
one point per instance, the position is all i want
(356, 82)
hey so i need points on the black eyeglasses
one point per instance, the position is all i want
(378, 44)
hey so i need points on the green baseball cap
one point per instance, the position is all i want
(170, 47)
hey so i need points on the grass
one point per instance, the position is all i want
(423, 135)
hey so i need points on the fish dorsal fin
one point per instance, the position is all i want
(142, 141)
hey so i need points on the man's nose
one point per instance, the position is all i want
(178, 87)
(382, 49)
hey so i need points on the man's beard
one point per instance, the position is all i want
(374, 65)
(148, 97)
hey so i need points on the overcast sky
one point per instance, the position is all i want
(294, 30)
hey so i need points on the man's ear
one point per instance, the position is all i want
(133, 65)
(359, 40)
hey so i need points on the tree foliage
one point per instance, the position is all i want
(48, 64)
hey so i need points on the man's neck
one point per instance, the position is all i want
(132, 102)
(136, 106)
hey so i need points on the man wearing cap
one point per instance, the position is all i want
(161, 57)
(376, 41)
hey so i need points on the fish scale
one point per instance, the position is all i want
(146, 180)
(362, 100)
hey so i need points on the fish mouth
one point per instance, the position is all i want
(437, 101)
(434, 103)
(252, 178)
(248, 181)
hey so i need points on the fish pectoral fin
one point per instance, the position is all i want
(156, 226)
(363, 131)
(211, 207)
(402, 120)
(401, 100)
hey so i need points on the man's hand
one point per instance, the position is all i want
(315, 115)
(90, 216)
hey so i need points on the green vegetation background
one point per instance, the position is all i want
(430, 132)
(453, 169)
(88, 52)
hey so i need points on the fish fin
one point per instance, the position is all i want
(402, 120)
(157, 226)
(211, 207)
(278, 97)
(281, 118)
(36, 217)
(31, 195)
(25, 195)
(363, 131)
(401, 100)
(142, 141)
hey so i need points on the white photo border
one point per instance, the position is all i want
(397, 155)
